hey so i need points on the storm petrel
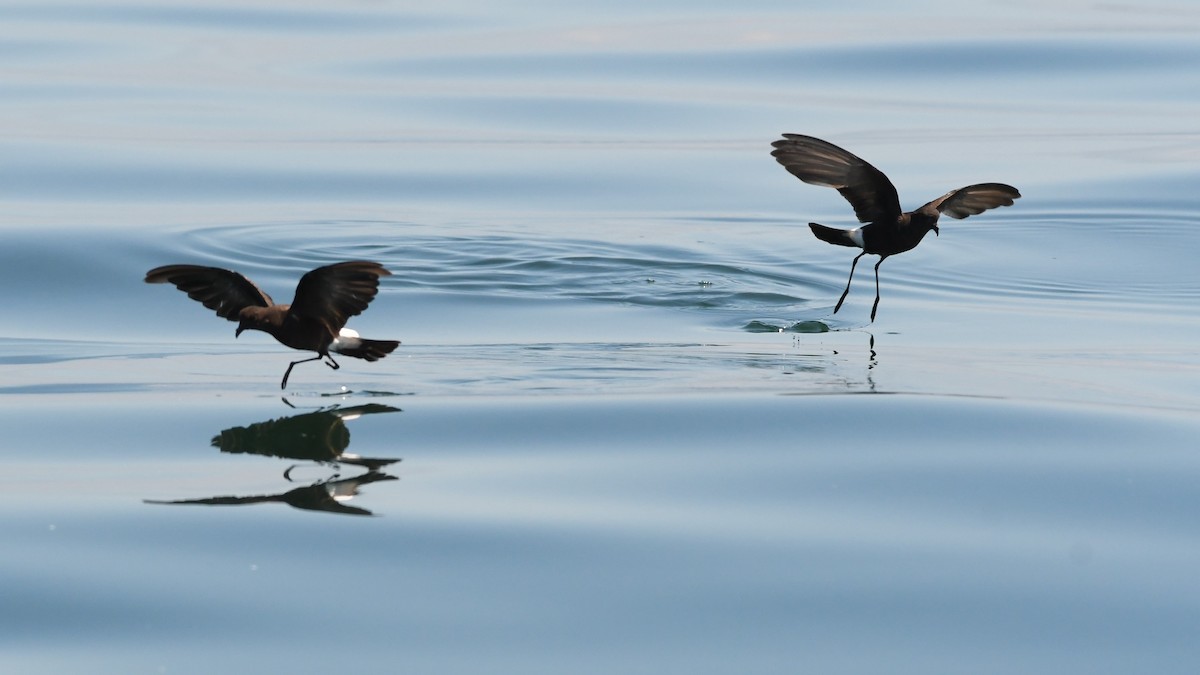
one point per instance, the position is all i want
(886, 230)
(315, 320)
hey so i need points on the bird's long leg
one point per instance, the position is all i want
(293, 364)
(332, 364)
(876, 305)
(847, 291)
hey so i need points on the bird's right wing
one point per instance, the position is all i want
(818, 162)
(972, 200)
(224, 291)
(334, 293)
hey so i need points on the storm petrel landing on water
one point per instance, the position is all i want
(886, 230)
(315, 321)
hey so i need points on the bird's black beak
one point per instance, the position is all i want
(936, 233)
(238, 332)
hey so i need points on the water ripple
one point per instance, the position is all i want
(652, 275)
(742, 277)
(1125, 255)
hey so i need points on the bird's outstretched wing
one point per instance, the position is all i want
(817, 162)
(334, 293)
(972, 200)
(224, 291)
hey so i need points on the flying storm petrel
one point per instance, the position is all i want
(886, 230)
(315, 320)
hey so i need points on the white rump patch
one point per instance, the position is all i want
(856, 236)
(346, 339)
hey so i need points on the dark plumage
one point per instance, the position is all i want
(887, 231)
(325, 299)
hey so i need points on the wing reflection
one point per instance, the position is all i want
(326, 495)
(320, 436)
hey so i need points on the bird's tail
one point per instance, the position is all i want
(349, 343)
(836, 236)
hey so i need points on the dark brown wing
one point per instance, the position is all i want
(972, 200)
(334, 293)
(223, 291)
(817, 162)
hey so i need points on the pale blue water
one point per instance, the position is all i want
(629, 433)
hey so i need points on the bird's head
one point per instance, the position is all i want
(257, 318)
(246, 323)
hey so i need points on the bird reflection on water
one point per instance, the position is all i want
(320, 436)
(325, 495)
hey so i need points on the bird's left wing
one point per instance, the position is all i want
(972, 200)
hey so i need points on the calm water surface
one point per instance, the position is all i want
(625, 431)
